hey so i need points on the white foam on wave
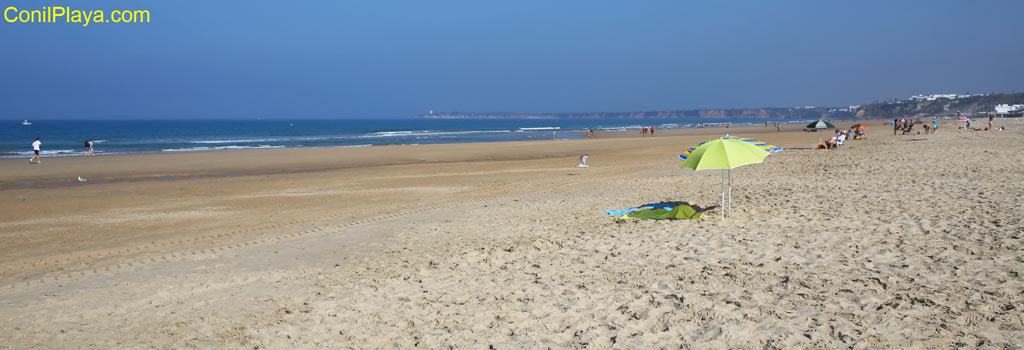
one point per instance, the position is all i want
(235, 141)
(277, 139)
(218, 148)
(428, 133)
(50, 153)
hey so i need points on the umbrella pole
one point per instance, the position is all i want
(730, 191)
(722, 206)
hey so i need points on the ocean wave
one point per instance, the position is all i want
(372, 135)
(49, 153)
(620, 128)
(278, 139)
(423, 133)
(199, 149)
(235, 141)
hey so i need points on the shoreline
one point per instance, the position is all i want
(74, 151)
(132, 166)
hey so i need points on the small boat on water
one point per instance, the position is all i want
(26, 123)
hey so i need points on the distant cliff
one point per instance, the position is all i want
(895, 109)
(939, 107)
(762, 113)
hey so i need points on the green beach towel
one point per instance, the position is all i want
(679, 212)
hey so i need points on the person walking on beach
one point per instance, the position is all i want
(35, 147)
(935, 125)
(652, 128)
(895, 126)
(990, 122)
(89, 145)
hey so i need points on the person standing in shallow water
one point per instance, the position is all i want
(36, 147)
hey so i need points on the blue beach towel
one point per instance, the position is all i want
(630, 210)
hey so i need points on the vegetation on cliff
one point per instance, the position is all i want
(973, 105)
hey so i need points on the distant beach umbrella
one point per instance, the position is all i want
(859, 126)
(725, 154)
(821, 124)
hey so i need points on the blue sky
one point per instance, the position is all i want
(368, 59)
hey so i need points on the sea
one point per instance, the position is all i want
(67, 137)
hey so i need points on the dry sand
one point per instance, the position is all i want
(886, 243)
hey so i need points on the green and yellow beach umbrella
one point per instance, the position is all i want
(725, 153)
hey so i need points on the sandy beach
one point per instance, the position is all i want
(907, 241)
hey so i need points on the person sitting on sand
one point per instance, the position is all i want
(908, 127)
(833, 142)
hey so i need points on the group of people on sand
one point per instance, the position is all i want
(647, 131)
(907, 126)
(967, 125)
(842, 135)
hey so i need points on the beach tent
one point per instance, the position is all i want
(725, 154)
(821, 124)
